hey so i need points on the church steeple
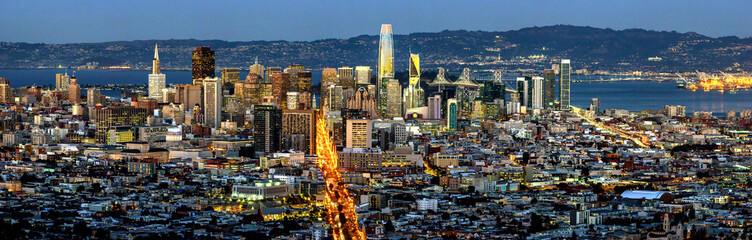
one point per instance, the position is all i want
(155, 68)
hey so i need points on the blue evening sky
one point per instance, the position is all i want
(69, 21)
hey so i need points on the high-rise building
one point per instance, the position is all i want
(156, 78)
(452, 111)
(92, 96)
(203, 64)
(346, 77)
(385, 65)
(6, 92)
(190, 95)
(304, 81)
(564, 71)
(328, 78)
(363, 75)
(293, 71)
(230, 75)
(414, 93)
(522, 90)
(74, 91)
(269, 72)
(117, 116)
(62, 81)
(212, 102)
(299, 122)
(394, 99)
(257, 69)
(267, 128)
(536, 93)
(358, 133)
(362, 100)
(280, 86)
(292, 100)
(595, 105)
(434, 107)
(549, 89)
(335, 98)
(492, 90)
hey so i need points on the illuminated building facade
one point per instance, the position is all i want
(434, 107)
(212, 102)
(549, 89)
(117, 116)
(62, 81)
(74, 91)
(156, 78)
(280, 86)
(6, 92)
(536, 93)
(452, 111)
(358, 133)
(414, 94)
(257, 69)
(363, 75)
(346, 77)
(230, 75)
(203, 64)
(394, 99)
(303, 123)
(564, 71)
(267, 128)
(385, 65)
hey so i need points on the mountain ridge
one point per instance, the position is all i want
(527, 48)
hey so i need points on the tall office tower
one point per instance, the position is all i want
(292, 100)
(434, 107)
(346, 77)
(304, 81)
(299, 122)
(293, 71)
(156, 78)
(6, 92)
(280, 86)
(385, 65)
(250, 91)
(363, 75)
(358, 133)
(452, 111)
(62, 81)
(305, 101)
(203, 64)
(74, 91)
(414, 94)
(271, 71)
(328, 78)
(230, 75)
(257, 69)
(189, 95)
(536, 99)
(564, 71)
(522, 90)
(492, 90)
(394, 99)
(212, 102)
(549, 89)
(335, 98)
(363, 100)
(117, 116)
(595, 105)
(92, 97)
(267, 126)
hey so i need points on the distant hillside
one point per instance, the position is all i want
(588, 47)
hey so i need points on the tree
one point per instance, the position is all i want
(389, 227)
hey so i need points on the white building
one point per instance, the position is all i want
(156, 78)
(261, 190)
(427, 204)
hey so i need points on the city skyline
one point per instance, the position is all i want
(60, 22)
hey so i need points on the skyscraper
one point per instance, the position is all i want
(564, 70)
(74, 91)
(595, 105)
(522, 90)
(62, 81)
(156, 78)
(212, 102)
(346, 77)
(280, 86)
(203, 64)
(414, 93)
(299, 122)
(6, 92)
(385, 65)
(549, 88)
(434, 107)
(230, 75)
(267, 128)
(363, 75)
(92, 97)
(452, 111)
(257, 69)
(394, 99)
(536, 99)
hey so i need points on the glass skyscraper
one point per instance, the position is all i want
(549, 89)
(564, 84)
(385, 65)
